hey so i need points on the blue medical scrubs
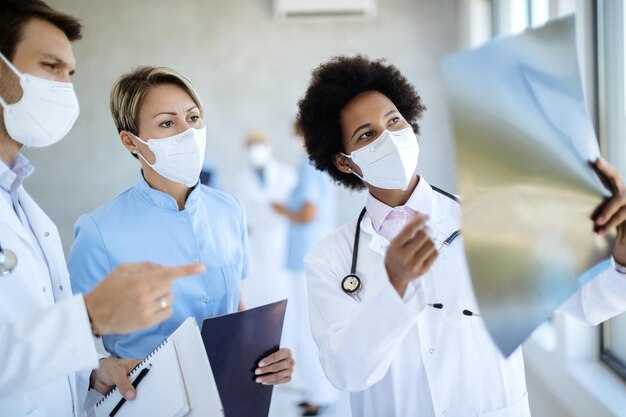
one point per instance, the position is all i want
(313, 187)
(144, 225)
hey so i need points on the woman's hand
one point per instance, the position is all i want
(613, 213)
(113, 373)
(410, 254)
(277, 368)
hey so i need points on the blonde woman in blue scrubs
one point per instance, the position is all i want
(167, 216)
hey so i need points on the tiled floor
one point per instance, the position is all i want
(285, 399)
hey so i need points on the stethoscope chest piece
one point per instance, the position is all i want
(8, 261)
(351, 284)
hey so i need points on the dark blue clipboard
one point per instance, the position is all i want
(235, 343)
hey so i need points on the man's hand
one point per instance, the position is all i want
(410, 254)
(613, 214)
(134, 296)
(113, 373)
(277, 368)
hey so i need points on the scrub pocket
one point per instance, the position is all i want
(517, 409)
(232, 281)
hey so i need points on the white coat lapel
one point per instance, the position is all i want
(48, 237)
(9, 217)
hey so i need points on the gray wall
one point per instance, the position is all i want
(250, 71)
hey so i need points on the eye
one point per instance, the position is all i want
(194, 119)
(167, 123)
(50, 65)
(367, 135)
(393, 121)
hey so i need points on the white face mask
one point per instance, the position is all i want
(179, 158)
(44, 114)
(259, 154)
(390, 161)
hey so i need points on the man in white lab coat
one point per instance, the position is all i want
(263, 182)
(403, 333)
(47, 351)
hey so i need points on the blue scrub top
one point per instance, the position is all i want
(313, 187)
(144, 225)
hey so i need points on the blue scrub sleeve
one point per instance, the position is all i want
(311, 185)
(88, 262)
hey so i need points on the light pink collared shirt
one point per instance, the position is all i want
(388, 221)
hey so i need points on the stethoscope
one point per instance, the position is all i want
(352, 284)
(8, 261)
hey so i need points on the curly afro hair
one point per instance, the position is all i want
(333, 85)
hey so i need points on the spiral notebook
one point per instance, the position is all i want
(160, 394)
(180, 381)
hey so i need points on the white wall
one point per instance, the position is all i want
(250, 71)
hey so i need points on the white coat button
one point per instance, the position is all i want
(195, 260)
(61, 287)
(44, 289)
(46, 234)
(184, 220)
(431, 350)
(445, 413)
(206, 300)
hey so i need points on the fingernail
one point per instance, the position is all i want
(130, 395)
(261, 364)
(600, 220)
(258, 380)
(257, 372)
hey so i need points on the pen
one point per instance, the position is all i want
(136, 382)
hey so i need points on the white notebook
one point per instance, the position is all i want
(161, 393)
(180, 381)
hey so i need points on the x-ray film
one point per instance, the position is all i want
(524, 140)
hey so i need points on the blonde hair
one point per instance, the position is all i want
(130, 90)
(257, 136)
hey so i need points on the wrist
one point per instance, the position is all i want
(95, 325)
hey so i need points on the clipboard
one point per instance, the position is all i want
(235, 343)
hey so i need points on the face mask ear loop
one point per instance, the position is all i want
(12, 68)
(139, 153)
(353, 171)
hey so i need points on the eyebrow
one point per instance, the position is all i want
(369, 124)
(173, 113)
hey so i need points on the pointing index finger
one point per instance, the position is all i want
(170, 273)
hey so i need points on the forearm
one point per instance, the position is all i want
(600, 299)
(357, 349)
(46, 346)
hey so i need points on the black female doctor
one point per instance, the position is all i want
(404, 334)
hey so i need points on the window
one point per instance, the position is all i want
(512, 16)
(612, 116)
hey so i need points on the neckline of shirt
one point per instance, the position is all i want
(163, 200)
(420, 201)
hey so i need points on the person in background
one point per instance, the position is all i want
(263, 181)
(210, 174)
(47, 349)
(167, 216)
(399, 337)
(311, 211)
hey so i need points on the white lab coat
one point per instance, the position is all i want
(381, 348)
(267, 231)
(42, 343)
